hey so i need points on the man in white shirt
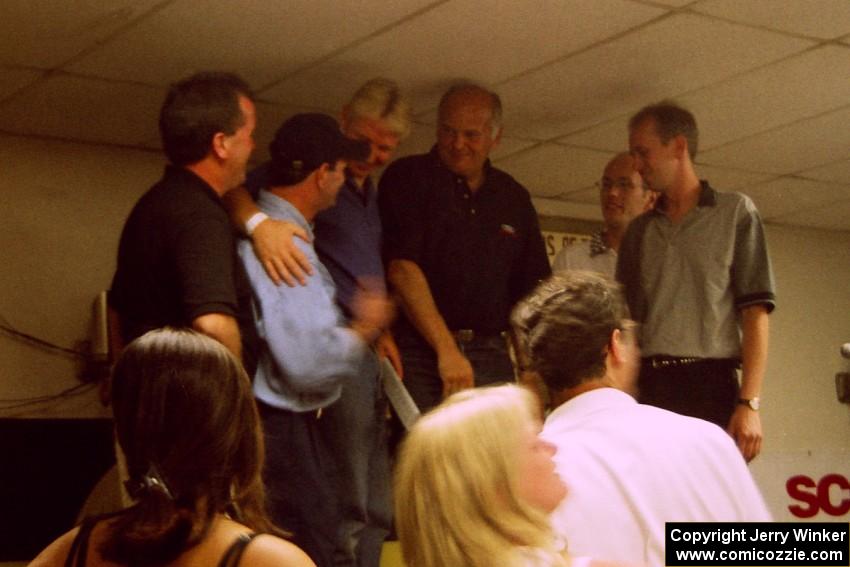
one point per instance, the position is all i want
(623, 196)
(629, 468)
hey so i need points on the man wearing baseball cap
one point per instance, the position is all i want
(309, 349)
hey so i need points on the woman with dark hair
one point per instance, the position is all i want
(186, 421)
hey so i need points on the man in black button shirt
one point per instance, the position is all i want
(463, 245)
(177, 262)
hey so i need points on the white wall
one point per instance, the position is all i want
(807, 431)
(64, 204)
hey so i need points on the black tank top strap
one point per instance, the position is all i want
(80, 546)
(234, 553)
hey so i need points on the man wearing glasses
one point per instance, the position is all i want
(623, 196)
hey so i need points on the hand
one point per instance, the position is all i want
(372, 312)
(455, 371)
(745, 429)
(385, 347)
(274, 246)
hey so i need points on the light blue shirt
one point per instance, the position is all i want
(308, 351)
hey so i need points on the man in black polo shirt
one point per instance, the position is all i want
(463, 245)
(177, 262)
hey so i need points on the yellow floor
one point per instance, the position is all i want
(391, 555)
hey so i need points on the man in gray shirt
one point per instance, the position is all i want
(698, 278)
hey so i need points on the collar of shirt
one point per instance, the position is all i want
(597, 244)
(279, 208)
(190, 177)
(590, 402)
(364, 193)
(707, 198)
(486, 186)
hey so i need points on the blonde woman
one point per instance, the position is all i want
(475, 484)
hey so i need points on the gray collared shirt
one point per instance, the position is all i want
(686, 282)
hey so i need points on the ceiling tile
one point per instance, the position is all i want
(566, 209)
(725, 179)
(589, 196)
(838, 171)
(831, 217)
(46, 34)
(611, 136)
(651, 63)
(789, 149)
(263, 42)
(804, 85)
(488, 45)
(509, 146)
(674, 3)
(76, 108)
(825, 19)
(777, 94)
(787, 195)
(269, 119)
(12, 80)
(551, 169)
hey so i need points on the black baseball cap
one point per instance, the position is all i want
(305, 141)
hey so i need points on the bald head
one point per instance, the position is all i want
(467, 131)
(623, 195)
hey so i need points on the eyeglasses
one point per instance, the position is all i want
(621, 184)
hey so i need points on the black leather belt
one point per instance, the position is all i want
(662, 361)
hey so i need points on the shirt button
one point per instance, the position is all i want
(473, 211)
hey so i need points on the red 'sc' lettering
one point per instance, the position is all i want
(795, 487)
(823, 494)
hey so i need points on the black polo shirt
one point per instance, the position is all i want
(481, 252)
(177, 261)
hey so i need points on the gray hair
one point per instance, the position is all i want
(565, 326)
(382, 99)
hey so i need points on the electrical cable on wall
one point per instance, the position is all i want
(71, 392)
(77, 390)
(7, 327)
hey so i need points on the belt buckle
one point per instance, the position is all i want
(465, 335)
(674, 361)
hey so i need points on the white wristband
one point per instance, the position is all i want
(255, 220)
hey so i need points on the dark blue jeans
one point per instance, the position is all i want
(299, 478)
(356, 432)
(489, 357)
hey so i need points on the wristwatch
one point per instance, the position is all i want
(753, 403)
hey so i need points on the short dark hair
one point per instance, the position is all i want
(670, 120)
(196, 109)
(187, 423)
(305, 142)
(565, 325)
